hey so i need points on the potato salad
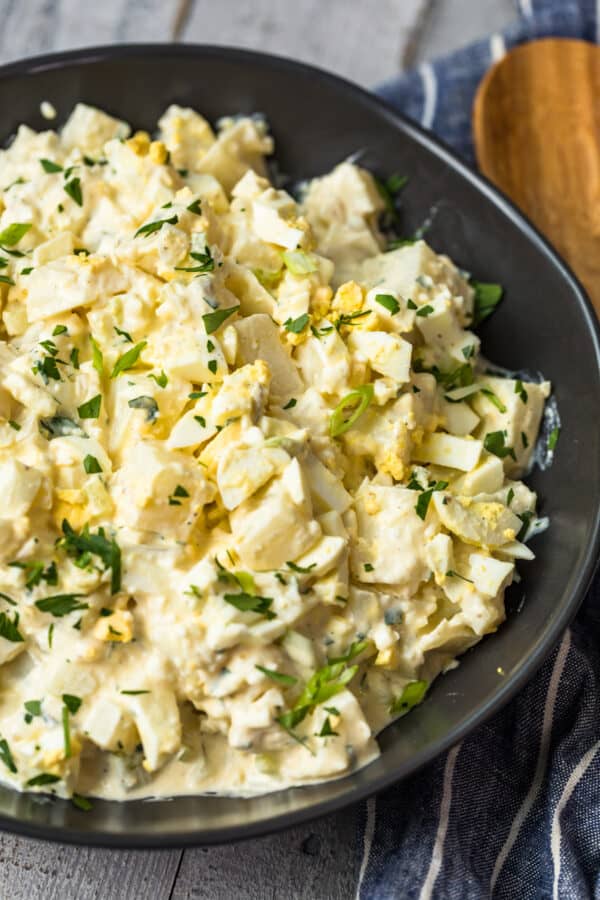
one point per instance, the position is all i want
(258, 487)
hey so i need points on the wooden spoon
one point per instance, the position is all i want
(536, 122)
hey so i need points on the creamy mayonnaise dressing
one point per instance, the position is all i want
(257, 492)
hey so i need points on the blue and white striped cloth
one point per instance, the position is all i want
(513, 811)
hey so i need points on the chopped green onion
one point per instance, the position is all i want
(358, 400)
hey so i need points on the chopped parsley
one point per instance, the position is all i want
(73, 189)
(61, 604)
(524, 440)
(291, 403)
(49, 166)
(368, 567)
(134, 693)
(179, 491)
(59, 329)
(195, 207)
(47, 368)
(82, 803)
(425, 311)
(42, 779)
(7, 757)
(14, 425)
(520, 390)
(303, 570)
(509, 496)
(411, 304)
(128, 359)
(493, 398)
(296, 325)
(494, 442)
(324, 684)
(124, 334)
(251, 603)
(61, 426)
(152, 227)
(72, 702)
(326, 729)
(74, 358)
(9, 628)
(212, 366)
(98, 545)
(91, 465)
(201, 421)
(91, 408)
(214, 320)
(389, 302)
(424, 499)
(33, 708)
(205, 262)
(486, 299)
(148, 404)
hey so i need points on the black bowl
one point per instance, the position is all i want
(545, 323)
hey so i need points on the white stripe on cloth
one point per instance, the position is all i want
(497, 47)
(572, 782)
(429, 80)
(438, 846)
(526, 8)
(542, 761)
(368, 840)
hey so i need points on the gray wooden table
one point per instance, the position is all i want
(319, 861)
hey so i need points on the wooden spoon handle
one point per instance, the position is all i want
(536, 123)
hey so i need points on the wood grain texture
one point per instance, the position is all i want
(35, 870)
(314, 862)
(536, 123)
(360, 39)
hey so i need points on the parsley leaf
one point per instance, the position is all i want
(61, 604)
(49, 166)
(73, 189)
(97, 544)
(494, 442)
(195, 207)
(146, 403)
(214, 320)
(128, 360)
(91, 408)
(124, 334)
(42, 779)
(487, 297)
(7, 757)
(72, 702)
(251, 603)
(91, 465)
(152, 227)
(389, 302)
(422, 504)
(296, 325)
(9, 629)
(205, 263)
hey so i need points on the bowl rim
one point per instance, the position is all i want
(513, 682)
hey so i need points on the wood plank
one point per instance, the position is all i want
(314, 861)
(36, 870)
(360, 39)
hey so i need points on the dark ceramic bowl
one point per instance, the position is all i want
(545, 323)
